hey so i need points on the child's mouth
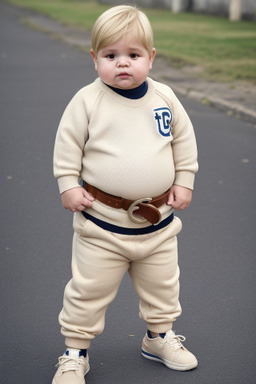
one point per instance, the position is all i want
(124, 75)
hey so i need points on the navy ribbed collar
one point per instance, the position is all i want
(135, 93)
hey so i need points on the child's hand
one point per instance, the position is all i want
(76, 199)
(179, 197)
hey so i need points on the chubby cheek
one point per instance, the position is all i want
(142, 71)
(105, 72)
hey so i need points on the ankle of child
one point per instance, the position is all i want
(153, 335)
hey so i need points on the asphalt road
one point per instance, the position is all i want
(38, 77)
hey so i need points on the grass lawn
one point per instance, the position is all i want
(225, 50)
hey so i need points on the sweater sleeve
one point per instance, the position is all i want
(69, 144)
(184, 147)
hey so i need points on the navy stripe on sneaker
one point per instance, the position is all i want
(150, 355)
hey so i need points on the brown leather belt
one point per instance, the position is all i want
(145, 207)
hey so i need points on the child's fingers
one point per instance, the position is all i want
(88, 196)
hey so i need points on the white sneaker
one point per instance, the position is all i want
(72, 367)
(169, 351)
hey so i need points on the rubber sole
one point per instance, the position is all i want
(174, 366)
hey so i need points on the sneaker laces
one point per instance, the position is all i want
(68, 363)
(174, 341)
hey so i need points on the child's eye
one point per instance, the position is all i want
(133, 55)
(111, 56)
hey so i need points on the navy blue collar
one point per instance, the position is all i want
(135, 93)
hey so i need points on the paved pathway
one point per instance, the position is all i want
(39, 75)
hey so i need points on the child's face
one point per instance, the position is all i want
(124, 64)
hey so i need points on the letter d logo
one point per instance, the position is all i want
(163, 118)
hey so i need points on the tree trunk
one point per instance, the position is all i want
(235, 10)
(180, 6)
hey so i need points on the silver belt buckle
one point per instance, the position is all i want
(134, 207)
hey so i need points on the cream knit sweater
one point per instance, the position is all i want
(130, 148)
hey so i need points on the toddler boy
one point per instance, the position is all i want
(125, 158)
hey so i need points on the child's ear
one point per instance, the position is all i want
(152, 57)
(94, 57)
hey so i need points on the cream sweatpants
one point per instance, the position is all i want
(100, 260)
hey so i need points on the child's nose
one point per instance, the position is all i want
(123, 61)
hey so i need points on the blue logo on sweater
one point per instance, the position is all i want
(163, 118)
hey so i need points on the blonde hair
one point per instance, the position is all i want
(116, 22)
